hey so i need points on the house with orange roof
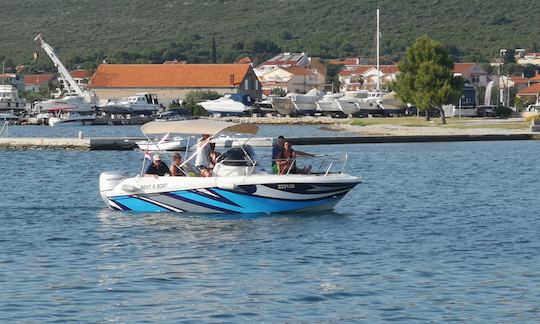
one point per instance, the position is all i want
(287, 59)
(34, 82)
(365, 77)
(472, 72)
(173, 81)
(292, 79)
(530, 94)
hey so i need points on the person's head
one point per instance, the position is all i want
(156, 159)
(177, 158)
(286, 145)
(280, 140)
(205, 136)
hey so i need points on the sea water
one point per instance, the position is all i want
(437, 232)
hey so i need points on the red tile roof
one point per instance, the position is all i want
(168, 75)
(532, 56)
(533, 90)
(463, 67)
(535, 78)
(80, 73)
(38, 79)
(519, 80)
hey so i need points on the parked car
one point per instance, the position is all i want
(486, 111)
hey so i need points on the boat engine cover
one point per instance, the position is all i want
(108, 181)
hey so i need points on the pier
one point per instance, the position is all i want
(128, 143)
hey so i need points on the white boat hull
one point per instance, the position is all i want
(72, 121)
(235, 194)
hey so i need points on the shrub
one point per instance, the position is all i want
(504, 112)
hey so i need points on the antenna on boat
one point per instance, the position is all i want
(3, 70)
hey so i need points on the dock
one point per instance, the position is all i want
(128, 143)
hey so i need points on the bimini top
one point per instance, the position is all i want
(197, 126)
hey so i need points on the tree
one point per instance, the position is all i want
(425, 79)
(194, 97)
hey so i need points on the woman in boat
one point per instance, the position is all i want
(287, 160)
(176, 170)
(214, 155)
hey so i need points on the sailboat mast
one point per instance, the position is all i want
(378, 72)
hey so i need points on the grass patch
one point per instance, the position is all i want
(512, 125)
(461, 123)
(398, 121)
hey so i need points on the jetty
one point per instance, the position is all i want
(128, 143)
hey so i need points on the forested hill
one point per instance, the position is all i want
(84, 32)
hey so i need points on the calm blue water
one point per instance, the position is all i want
(442, 232)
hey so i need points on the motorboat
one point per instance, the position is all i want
(265, 106)
(347, 103)
(166, 144)
(176, 114)
(10, 119)
(370, 105)
(10, 101)
(239, 182)
(229, 104)
(69, 117)
(139, 104)
(68, 102)
(329, 104)
(392, 105)
(306, 104)
(284, 106)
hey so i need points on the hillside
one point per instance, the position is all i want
(149, 31)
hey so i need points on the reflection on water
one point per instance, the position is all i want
(435, 230)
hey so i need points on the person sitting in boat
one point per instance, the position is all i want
(214, 155)
(157, 167)
(287, 160)
(276, 152)
(176, 169)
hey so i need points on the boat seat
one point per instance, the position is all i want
(223, 170)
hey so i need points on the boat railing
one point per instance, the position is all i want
(321, 164)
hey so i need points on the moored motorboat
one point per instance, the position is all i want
(229, 104)
(72, 118)
(173, 144)
(236, 186)
(10, 119)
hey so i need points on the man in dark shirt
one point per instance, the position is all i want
(157, 167)
(276, 152)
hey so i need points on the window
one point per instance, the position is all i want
(246, 84)
(475, 79)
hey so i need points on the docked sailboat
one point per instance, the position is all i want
(239, 182)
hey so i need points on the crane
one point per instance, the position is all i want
(72, 86)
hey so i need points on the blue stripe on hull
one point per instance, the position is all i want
(137, 204)
(239, 203)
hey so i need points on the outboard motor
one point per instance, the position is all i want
(108, 181)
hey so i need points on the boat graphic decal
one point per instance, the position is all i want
(202, 201)
(214, 195)
(302, 188)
